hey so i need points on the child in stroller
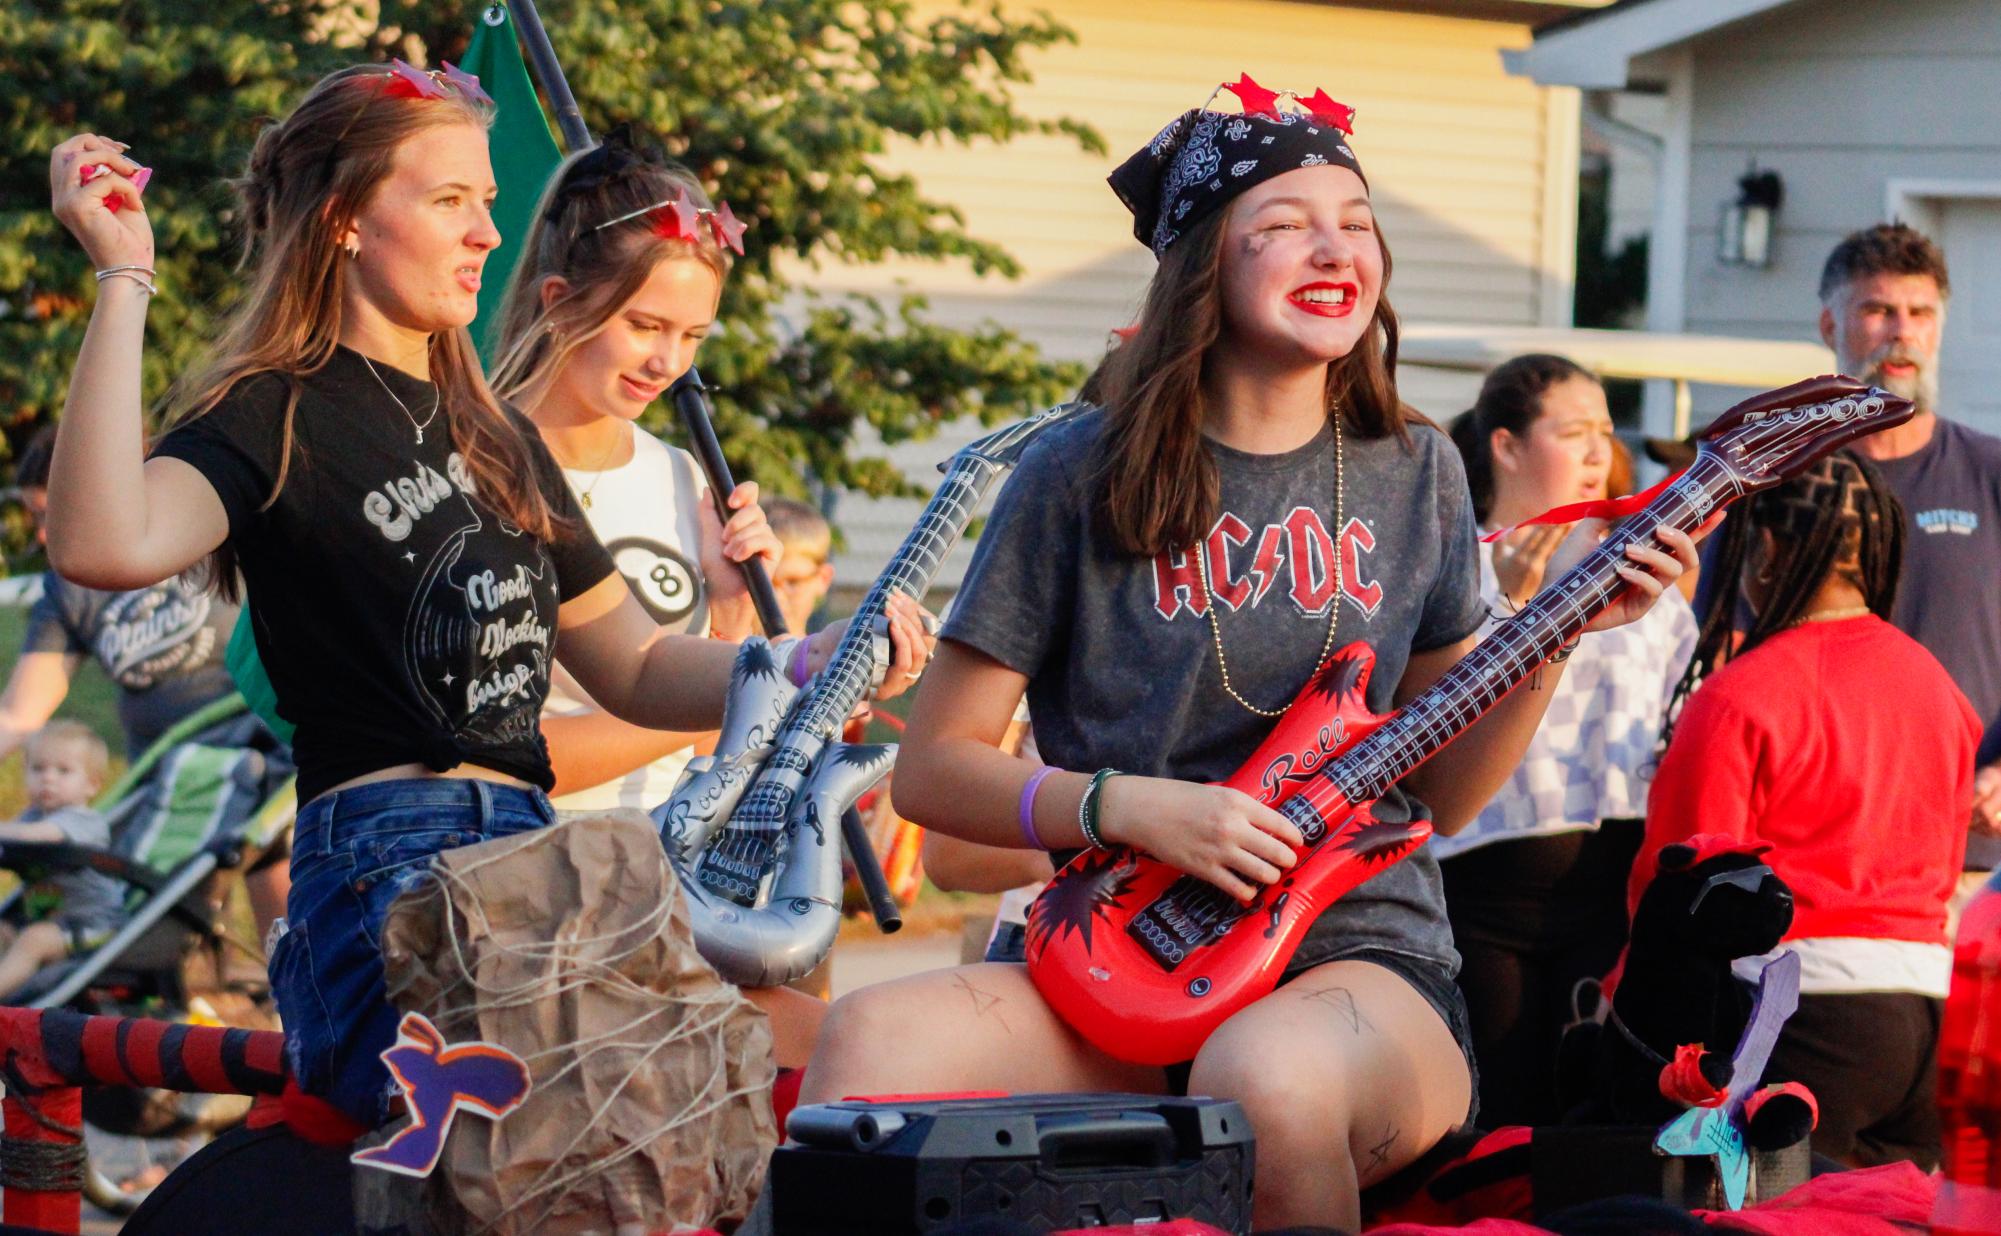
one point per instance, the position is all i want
(69, 909)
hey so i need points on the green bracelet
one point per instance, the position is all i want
(1088, 806)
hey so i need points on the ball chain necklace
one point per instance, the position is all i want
(1334, 619)
(436, 399)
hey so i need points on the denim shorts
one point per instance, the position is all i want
(353, 852)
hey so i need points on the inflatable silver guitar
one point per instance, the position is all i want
(754, 830)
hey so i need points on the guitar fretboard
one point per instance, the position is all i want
(1521, 643)
(850, 674)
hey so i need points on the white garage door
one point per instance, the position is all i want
(1970, 378)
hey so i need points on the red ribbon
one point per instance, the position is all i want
(1607, 509)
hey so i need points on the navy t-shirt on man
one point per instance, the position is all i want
(1950, 598)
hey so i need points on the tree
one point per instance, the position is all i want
(781, 106)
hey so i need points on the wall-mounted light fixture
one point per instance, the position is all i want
(1745, 235)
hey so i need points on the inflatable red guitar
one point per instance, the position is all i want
(1145, 961)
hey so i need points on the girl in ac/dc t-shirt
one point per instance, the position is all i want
(1162, 577)
(409, 547)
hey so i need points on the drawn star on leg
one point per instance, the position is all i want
(448, 678)
(409, 555)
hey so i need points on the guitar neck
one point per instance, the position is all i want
(850, 675)
(1521, 643)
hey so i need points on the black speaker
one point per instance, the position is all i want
(1044, 1162)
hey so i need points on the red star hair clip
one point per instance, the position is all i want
(406, 81)
(677, 218)
(1258, 101)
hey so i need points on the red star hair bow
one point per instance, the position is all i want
(677, 218)
(1256, 99)
(407, 81)
(729, 233)
(1327, 111)
(468, 84)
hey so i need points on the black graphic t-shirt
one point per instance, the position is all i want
(400, 619)
(1117, 649)
(162, 645)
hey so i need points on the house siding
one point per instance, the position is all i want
(1461, 158)
(1840, 97)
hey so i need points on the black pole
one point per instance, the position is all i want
(542, 58)
(691, 400)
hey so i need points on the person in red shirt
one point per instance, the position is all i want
(1840, 741)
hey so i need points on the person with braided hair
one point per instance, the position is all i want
(1830, 735)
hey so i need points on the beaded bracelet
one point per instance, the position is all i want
(1088, 807)
(1027, 809)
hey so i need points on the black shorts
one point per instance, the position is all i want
(1429, 979)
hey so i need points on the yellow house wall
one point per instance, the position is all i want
(1473, 174)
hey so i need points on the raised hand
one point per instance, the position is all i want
(94, 189)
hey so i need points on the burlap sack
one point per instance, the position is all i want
(651, 1099)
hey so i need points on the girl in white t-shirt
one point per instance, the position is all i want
(618, 285)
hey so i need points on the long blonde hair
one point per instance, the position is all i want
(308, 176)
(603, 267)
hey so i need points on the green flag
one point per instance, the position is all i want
(524, 154)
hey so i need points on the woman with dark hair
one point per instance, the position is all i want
(1842, 744)
(1535, 885)
(409, 547)
(1161, 577)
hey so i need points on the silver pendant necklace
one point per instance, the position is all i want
(419, 426)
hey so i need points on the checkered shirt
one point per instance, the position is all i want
(1593, 756)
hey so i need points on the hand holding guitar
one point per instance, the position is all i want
(1214, 833)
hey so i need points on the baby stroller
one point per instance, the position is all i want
(205, 802)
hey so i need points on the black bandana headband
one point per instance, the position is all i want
(1204, 159)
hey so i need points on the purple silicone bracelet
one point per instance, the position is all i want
(1028, 807)
(797, 670)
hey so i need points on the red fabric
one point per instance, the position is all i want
(1893, 1200)
(1682, 1080)
(1509, 1196)
(1709, 845)
(1480, 1227)
(316, 1120)
(1846, 746)
(62, 1210)
(1607, 509)
(785, 1095)
(1761, 1097)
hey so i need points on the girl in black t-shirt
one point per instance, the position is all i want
(410, 548)
(1161, 578)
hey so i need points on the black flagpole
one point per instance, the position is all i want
(691, 403)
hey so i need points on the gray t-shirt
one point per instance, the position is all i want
(1121, 666)
(84, 897)
(162, 645)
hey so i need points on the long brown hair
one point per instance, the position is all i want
(1155, 479)
(602, 266)
(308, 176)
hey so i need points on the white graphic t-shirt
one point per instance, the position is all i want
(648, 514)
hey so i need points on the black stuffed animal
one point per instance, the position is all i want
(1711, 901)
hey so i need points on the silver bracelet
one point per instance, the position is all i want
(109, 271)
(133, 275)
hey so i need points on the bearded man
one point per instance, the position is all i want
(1883, 296)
